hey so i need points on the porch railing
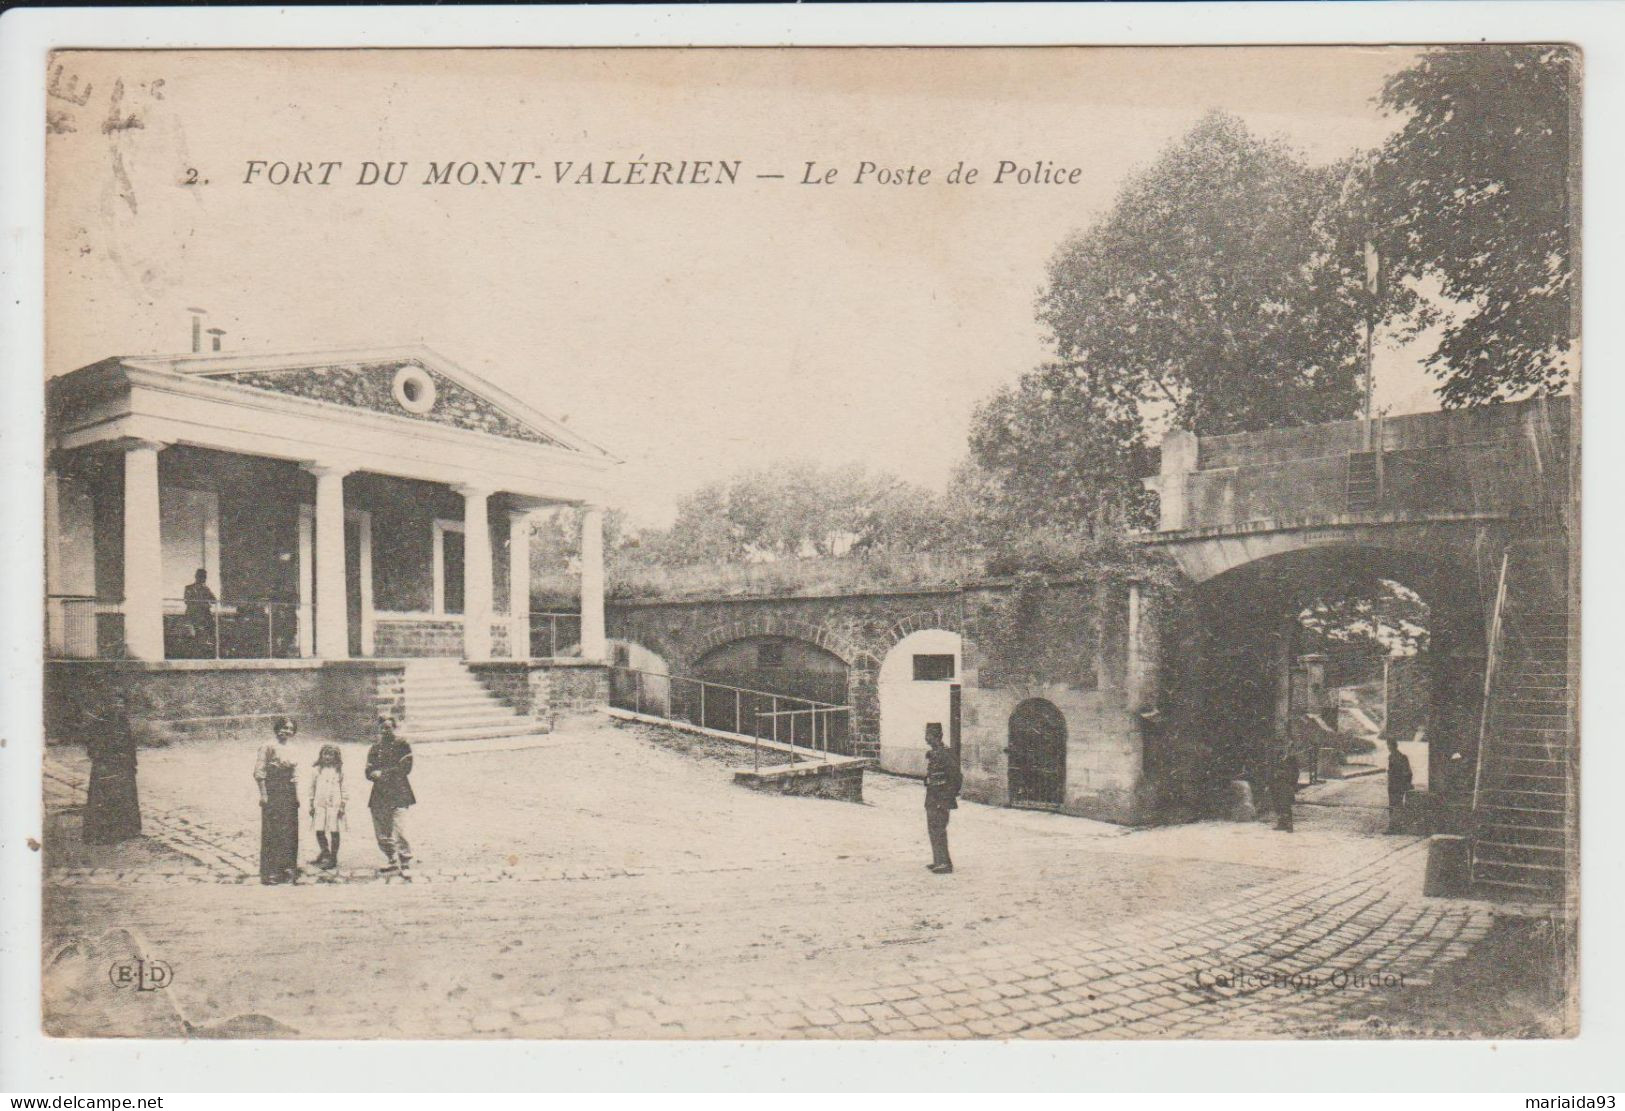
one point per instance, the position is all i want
(235, 629)
(813, 729)
(83, 627)
(555, 634)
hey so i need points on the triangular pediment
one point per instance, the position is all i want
(414, 384)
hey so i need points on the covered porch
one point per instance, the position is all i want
(427, 569)
(179, 529)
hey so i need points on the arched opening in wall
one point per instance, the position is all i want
(778, 678)
(1037, 754)
(914, 683)
(639, 679)
(1327, 653)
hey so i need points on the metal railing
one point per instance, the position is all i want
(555, 634)
(811, 729)
(1492, 659)
(235, 629)
(82, 627)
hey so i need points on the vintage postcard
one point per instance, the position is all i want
(984, 543)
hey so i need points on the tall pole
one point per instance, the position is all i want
(1372, 274)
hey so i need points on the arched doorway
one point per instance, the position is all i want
(1297, 649)
(794, 669)
(914, 683)
(640, 678)
(1037, 754)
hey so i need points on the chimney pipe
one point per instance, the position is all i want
(197, 329)
(215, 334)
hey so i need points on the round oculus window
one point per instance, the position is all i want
(413, 389)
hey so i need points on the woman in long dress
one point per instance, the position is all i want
(279, 807)
(112, 810)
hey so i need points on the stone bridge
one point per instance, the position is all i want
(1456, 485)
(1134, 685)
(1079, 648)
(1264, 523)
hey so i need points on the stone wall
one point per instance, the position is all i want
(417, 636)
(221, 699)
(546, 689)
(1491, 459)
(1081, 645)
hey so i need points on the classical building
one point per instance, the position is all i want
(234, 536)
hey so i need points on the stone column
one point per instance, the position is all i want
(519, 583)
(1180, 451)
(143, 553)
(476, 574)
(55, 616)
(593, 644)
(332, 609)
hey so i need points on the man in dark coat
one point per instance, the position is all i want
(1284, 788)
(200, 614)
(942, 783)
(1399, 783)
(389, 763)
(112, 810)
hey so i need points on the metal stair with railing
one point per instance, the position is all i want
(1524, 795)
(445, 702)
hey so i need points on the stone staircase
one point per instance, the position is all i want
(445, 702)
(1523, 806)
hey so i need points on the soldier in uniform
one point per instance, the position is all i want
(942, 783)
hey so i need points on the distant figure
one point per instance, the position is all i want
(112, 809)
(942, 783)
(279, 806)
(200, 602)
(1399, 783)
(327, 804)
(389, 763)
(1284, 788)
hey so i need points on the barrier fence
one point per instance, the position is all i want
(555, 634)
(818, 728)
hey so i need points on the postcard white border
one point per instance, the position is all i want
(31, 1063)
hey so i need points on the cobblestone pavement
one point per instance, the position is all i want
(604, 883)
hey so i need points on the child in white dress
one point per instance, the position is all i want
(327, 802)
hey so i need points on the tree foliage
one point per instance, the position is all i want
(1385, 616)
(1050, 451)
(1218, 293)
(799, 510)
(1475, 191)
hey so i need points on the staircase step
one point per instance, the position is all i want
(518, 728)
(1500, 814)
(447, 698)
(1552, 836)
(1500, 871)
(1517, 892)
(1503, 851)
(473, 713)
(1540, 783)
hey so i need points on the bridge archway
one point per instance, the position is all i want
(789, 666)
(914, 683)
(1251, 686)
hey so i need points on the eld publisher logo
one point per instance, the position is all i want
(142, 975)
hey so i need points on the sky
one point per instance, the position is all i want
(692, 330)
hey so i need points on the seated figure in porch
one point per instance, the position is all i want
(200, 617)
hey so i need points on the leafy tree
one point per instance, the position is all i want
(555, 538)
(1475, 191)
(1218, 294)
(1385, 616)
(797, 510)
(1050, 451)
